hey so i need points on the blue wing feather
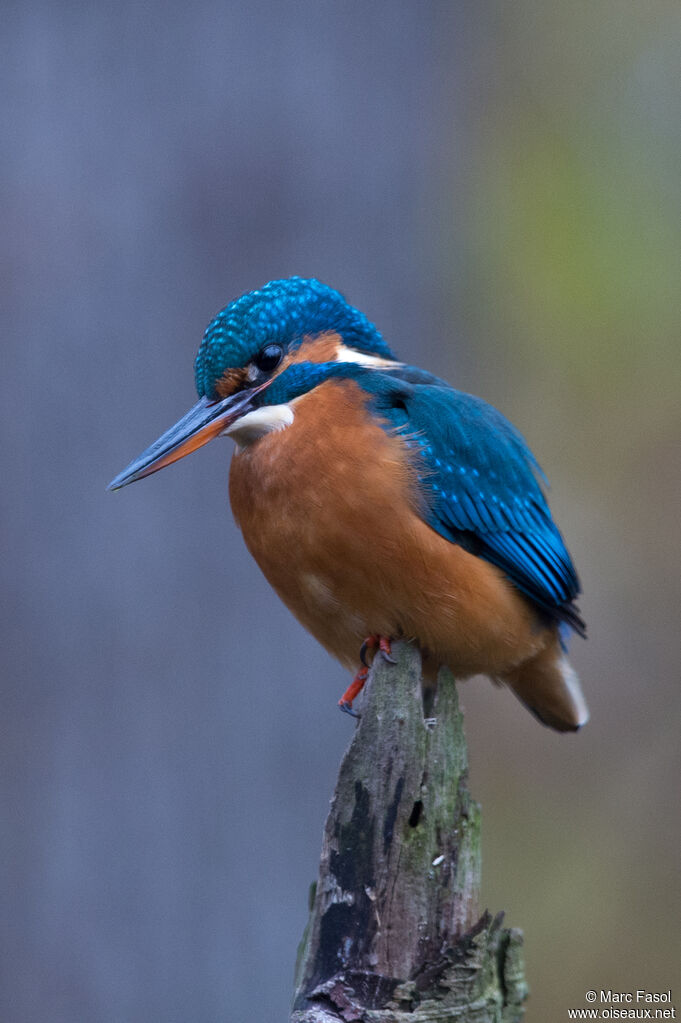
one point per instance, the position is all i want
(479, 481)
(481, 487)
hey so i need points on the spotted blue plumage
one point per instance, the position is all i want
(482, 489)
(283, 312)
(478, 479)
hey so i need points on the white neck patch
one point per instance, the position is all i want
(345, 354)
(271, 418)
(258, 423)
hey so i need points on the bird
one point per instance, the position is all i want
(381, 503)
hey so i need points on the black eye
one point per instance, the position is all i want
(268, 358)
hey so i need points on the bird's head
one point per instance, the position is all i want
(260, 352)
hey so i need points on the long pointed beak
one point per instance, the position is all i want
(206, 420)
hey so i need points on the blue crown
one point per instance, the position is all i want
(281, 312)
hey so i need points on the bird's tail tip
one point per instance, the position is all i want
(549, 687)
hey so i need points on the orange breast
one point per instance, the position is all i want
(329, 508)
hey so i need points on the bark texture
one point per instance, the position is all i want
(395, 933)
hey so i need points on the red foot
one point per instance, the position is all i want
(384, 645)
(353, 690)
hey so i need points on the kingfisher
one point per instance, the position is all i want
(381, 503)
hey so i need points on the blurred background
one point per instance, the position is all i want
(497, 186)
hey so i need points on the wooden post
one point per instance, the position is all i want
(395, 934)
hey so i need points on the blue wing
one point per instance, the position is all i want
(481, 485)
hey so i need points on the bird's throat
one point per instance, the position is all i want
(258, 423)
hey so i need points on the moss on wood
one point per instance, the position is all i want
(395, 931)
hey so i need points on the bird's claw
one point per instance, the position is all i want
(347, 709)
(384, 647)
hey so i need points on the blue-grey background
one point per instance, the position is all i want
(497, 186)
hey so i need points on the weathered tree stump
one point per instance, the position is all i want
(394, 933)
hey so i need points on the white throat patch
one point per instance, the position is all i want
(259, 422)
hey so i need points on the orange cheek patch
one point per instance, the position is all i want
(231, 381)
(323, 348)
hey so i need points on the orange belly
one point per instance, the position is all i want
(329, 510)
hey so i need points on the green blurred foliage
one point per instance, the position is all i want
(576, 214)
(573, 296)
(585, 255)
